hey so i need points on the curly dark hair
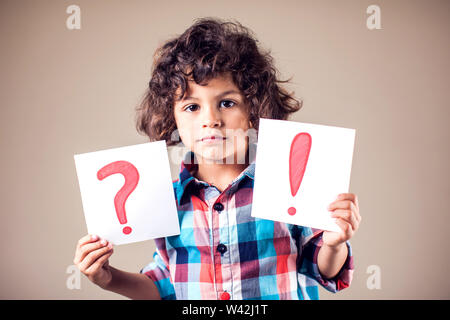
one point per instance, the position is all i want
(210, 48)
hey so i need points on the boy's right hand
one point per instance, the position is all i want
(91, 257)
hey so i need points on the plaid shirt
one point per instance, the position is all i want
(223, 252)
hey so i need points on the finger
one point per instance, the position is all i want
(84, 240)
(87, 239)
(92, 257)
(356, 202)
(345, 227)
(349, 196)
(98, 264)
(358, 215)
(354, 198)
(347, 216)
(342, 204)
(83, 251)
(346, 196)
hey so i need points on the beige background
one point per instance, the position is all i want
(73, 91)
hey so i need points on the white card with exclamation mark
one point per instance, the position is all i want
(300, 169)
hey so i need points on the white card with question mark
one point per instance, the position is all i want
(127, 193)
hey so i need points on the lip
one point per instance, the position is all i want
(212, 139)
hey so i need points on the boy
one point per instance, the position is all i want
(211, 85)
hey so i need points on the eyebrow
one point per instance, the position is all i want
(218, 96)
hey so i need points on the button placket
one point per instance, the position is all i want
(222, 247)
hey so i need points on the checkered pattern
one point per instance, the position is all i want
(263, 259)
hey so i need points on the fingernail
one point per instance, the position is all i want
(110, 245)
(94, 237)
(103, 242)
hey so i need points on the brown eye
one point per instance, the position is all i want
(227, 103)
(191, 108)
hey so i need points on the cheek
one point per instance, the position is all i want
(238, 120)
(185, 131)
(186, 137)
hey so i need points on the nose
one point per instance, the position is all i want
(211, 117)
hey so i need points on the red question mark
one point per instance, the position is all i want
(131, 176)
(298, 159)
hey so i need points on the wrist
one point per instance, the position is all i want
(331, 258)
(334, 247)
(107, 283)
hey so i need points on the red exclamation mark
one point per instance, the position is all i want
(298, 159)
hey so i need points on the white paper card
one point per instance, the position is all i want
(146, 195)
(280, 193)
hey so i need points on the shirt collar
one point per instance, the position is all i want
(189, 166)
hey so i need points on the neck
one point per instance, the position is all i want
(220, 175)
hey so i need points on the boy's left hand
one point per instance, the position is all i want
(346, 211)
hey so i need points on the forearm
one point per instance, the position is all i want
(132, 285)
(331, 259)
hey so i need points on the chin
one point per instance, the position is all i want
(228, 153)
(211, 156)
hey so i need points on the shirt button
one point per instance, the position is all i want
(222, 248)
(225, 296)
(218, 206)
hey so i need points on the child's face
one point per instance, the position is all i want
(219, 110)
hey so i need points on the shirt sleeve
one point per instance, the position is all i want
(311, 242)
(158, 271)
